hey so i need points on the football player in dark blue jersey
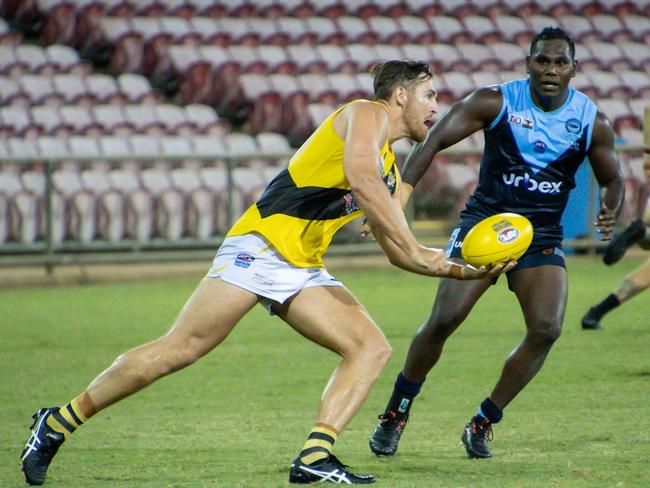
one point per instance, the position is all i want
(537, 132)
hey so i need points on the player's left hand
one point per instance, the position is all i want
(365, 229)
(605, 223)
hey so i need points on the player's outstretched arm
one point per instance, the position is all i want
(365, 129)
(439, 265)
(607, 170)
(465, 117)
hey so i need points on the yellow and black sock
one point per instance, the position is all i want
(69, 417)
(319, 444)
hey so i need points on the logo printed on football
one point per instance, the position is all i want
(497, 239)
(508, 235)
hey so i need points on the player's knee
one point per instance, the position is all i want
(375, 351)
(546, 332)
(180, 353)
(440, 326)
(383, 352)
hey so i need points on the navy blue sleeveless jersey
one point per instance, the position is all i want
(530, 159)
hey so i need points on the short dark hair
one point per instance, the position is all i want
(390, 74)
(548, 33)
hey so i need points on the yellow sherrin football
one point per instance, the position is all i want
(497, 239)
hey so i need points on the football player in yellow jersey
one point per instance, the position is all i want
(637, 232)
(273, 256)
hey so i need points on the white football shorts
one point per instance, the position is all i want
(251, 263)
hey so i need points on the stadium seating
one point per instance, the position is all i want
(177, 74)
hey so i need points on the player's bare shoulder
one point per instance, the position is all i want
(360, 112)
(603, 133)
(485, 103)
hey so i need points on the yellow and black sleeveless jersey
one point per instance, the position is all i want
(304, 205)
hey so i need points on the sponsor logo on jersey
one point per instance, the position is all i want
(453, 242)
(349, 204)
(507, 235)
(539, 147)
(525, 181)
(525, 122)
(244, 260)
(573, 125)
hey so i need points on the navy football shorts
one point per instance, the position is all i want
(541, 252)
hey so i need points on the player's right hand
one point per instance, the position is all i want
(469, 272)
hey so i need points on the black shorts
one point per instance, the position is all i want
(541, 252)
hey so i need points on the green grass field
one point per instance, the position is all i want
(239, 416)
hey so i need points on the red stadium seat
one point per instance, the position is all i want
(638, 26)
(579, 28)
(638, 54)
(365, 56)
(104, 89)
(388, 30)
(72, 89)
(127, 45)
(16, 121)
(59, 26)
(482, 29)
(449, 29)
(424, 8)
(40, 90)
(480, 57)
(512, 56)
(451, 58)
(216, 179)
(356, 30)
(609, 85)
(637, 81)
(49, 120)
(34, 59)
(324, 31)
(337, 59)
(485, 78)
(169, 205)
(66, 60)
(514, 29)
(139, 204)
(200, 203)
(611, 28)
(460, 84)
(265, 103)
(609, 55)
(319, 88)
(421, 52)
(79, 206)
(18, 210)
(137, 88)
(417, 29)
(619, 113)
(112, 120)
(81, 120)
(277, 59)
(387, 52)
(110, 205)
